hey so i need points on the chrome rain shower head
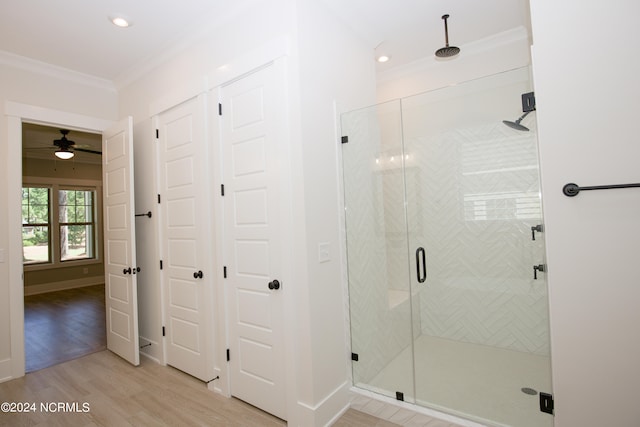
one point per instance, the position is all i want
(447, 51)
(516, 125)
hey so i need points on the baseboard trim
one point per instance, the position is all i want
(152, 352)
(328, 410)
(5, 370)
(402, 413)
(62, 286)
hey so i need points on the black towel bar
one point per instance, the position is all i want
(572, 190)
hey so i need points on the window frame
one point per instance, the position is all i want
(54, 186)
(48, 224)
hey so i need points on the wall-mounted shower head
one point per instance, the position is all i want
(516, 125)
(447, 51)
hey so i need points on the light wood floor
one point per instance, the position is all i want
(63, 325)
(118, 394)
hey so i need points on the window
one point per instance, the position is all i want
(58, 224)
(36, 242)
(76, 224)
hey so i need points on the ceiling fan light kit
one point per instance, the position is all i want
(64, 154)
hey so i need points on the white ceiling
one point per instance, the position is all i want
(413, 29)
(77, 35)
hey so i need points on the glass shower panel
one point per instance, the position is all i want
(376, 234)
(481, 327)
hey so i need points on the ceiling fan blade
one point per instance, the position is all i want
(85, 150)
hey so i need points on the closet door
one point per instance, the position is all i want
(251, 133)
(187, 276)
(121, 288)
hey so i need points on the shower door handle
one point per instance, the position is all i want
(421, 258)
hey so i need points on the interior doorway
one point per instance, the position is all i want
(63, 266)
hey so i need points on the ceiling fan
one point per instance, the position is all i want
(67, 147)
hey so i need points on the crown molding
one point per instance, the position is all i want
(27, 64)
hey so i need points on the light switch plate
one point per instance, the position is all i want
(323, 252)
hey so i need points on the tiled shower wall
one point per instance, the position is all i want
(477, 233)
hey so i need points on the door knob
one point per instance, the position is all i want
(274, 285)
(126, 270)
(198, 274)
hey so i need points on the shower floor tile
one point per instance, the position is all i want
(473, 381)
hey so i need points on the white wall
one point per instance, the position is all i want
(316, 336)
(586, 72)
(30, 84)
(336, 74)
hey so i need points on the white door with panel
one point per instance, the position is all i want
(121, 290)
(251, 130)
(185, 238)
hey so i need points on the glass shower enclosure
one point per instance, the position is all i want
(445, 251)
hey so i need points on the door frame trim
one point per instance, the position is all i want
(17, 113)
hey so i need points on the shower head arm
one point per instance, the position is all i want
(522, 117)
(446, 31)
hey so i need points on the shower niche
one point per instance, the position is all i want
(440, 201)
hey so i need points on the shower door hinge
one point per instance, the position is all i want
(539, 228)
(354, 357)
(400, 396)
(546, 403)
(345, 139)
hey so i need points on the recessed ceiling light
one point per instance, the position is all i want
(383, 58)
(120, 21)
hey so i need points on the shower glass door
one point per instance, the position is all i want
(376, 231)
(472, 324)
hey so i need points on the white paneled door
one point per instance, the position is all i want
(121, 292)
(187, 275)
(251, 131)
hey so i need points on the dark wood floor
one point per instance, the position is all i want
(64, 325)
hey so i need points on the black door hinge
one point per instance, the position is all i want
(157, 134)
(546, 403)
(158, 199)
(228, 355)
(219, 109)
(163, 331)
(345, 139)
(222, 190)
(354, 357)
(400, 396)
(160, 264)
(224, 271)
